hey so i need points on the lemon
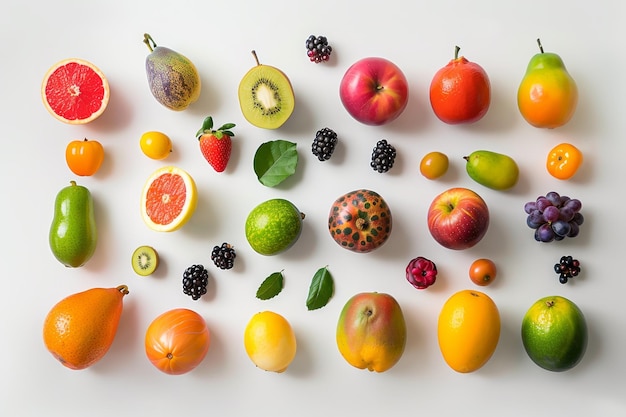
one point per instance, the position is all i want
(270, 341)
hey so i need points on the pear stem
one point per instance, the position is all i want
(456, 52)
(147, 39)
(256, 58)
(539, 43)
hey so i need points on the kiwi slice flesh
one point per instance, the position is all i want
(145, 260)
(266, 96)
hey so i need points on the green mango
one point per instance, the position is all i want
(492, 169)
(73, 233)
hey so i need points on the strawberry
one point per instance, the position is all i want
(215, 145)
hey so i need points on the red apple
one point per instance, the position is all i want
(458, 218)
(374, 91)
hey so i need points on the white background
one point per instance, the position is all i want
(218, 38)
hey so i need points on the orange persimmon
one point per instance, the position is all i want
(84, 157)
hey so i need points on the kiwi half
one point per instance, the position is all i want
(145, 260)
(265, 96)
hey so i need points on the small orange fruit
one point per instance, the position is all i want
(468, 330)
(434, 164)
(270, 341)
(84, 157)
(155, 145)
(177, 341)
(460, 92)
(79, 330)
(168, 199)
(75, 91)
(482, 271)
(564, 160)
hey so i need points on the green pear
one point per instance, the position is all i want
(492, 169)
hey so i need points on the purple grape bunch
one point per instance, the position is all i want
(554, 217)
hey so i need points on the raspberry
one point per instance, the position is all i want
(421, 273)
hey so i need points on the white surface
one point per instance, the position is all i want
(218, 38)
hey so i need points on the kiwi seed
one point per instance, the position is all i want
(145, 260)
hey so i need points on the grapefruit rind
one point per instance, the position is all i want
(186, 210)
(104, 100)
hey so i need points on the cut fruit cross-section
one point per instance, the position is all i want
(168, 199)
(75, 91)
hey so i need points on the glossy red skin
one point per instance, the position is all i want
(458, 218)
(374, 91)
(460, 81)
(360, 221)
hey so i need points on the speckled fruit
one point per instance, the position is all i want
(360, 221)
(273, 226)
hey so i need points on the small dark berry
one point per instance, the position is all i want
(324, 144)
(223, 256)
(383, 156)
(318, 49)
(195, 281)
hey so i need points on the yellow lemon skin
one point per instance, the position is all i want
(468, 330)
(270, 341)
(371, 331)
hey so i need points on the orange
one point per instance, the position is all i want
(75, 91)
(168, 199)
(79, 330)
(269, 341)
(482, 271)
(177, 341)
(564, 160)
(84, 157)
(460, 92)
(468, 330)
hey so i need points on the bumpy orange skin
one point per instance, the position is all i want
(177, 341)
(564, 160)
(84, 157)
(460, 92)
(360, 221)
(371, 331)
(79, 330)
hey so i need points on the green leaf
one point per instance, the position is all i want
(321, 289)
(275, 161)
(271, 286)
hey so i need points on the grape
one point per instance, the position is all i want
(564, 200)
(551, 214)
(542, 203)
(574, 204)
(535, 219)
(574, 229)
(544, 233)
(578, 218)
(566, 214)
(554, 198)
(561, 228)
(530, 207)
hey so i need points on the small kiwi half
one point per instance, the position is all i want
(145, 260)
(265, 96)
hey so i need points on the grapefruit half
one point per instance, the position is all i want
(168, 199)
(75, 91)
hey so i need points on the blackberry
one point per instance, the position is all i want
(223, 256)
(317, 49)
(324, 144)
(383, 156)
(567, 268)
(195, 281)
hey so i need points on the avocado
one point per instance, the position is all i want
(73, 233)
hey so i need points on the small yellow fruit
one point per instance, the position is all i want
(270, 341)
(468, 330)
(155, 145)
(434, 164)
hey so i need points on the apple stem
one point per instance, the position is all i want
(539, 43)
(550, 303)
(456, 52)
(361, 224)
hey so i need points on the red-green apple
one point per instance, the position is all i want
(458, 218)
(371, 331)
(374, 91)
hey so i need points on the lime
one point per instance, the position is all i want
(554, 333)
(273, 226)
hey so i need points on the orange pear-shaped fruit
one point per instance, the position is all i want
(80, 329)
